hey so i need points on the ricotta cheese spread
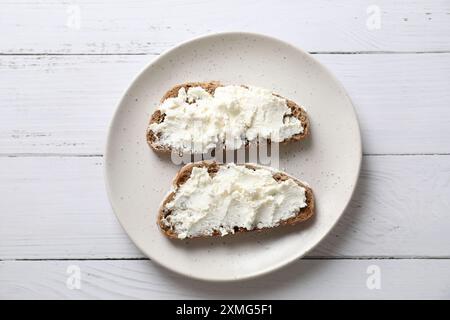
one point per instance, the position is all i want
(196, 121)
(235, 196)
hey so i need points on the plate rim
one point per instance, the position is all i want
(284, 262)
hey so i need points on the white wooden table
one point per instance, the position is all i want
(64, 66)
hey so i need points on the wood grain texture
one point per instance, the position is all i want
(63, 104)
(143, 26)
(304, 279)
(57, 208)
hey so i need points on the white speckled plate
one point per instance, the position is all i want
(137, 178)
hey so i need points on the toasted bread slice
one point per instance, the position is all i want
(302, 214)
(158, 117)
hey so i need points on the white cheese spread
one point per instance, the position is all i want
(235, 196)
(196, 121)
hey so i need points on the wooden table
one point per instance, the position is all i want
(64, 67)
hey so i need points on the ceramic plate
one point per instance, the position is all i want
(137, 178)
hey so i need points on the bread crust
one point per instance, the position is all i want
(210, 87)
(183, 175)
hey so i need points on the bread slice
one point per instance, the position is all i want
(212, 167)
(158, 117)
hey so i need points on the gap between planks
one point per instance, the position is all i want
(159, 53)
(88, 155)
(304, 258)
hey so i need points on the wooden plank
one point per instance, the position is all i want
(61, 104)
(305, 279)
(141, 26)
(57, 208)
(402, 100)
